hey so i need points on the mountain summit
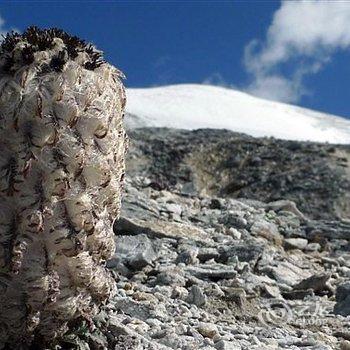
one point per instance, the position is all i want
(191, 106)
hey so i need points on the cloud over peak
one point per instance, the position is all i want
(308, 31)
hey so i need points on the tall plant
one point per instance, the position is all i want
(62, 148)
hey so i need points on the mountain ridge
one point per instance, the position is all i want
(191, 106)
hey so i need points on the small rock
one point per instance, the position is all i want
(173, 208)
(205, 254)
(232, 219)
(213, 272)
(295, 243)
(188, 256)
(234, 233)
(297, 294)
(153, 322)
(313, 247)
(238, 295)
(267, 230)
(216, 203)
(179, 293)
(133, 308)
(317, 283)
(285, 205)
(208, 330)
(127, 342)
(244, 252)
(171, 340)
(286, 273)
(215, 291)
(227, 345)
(272, 291)
(142, 296)
(343, 291)
(166, 291)
(342, 307)
(170, 278)
(196, 296)
(159, 228)
(139, 326)
(135, 252)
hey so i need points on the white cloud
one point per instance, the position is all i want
(275, 87)
(305, 32)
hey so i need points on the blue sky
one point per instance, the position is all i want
(262, 47)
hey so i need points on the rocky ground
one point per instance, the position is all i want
(198, 267)
(222, 163)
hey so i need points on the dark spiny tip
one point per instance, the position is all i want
(37, 39)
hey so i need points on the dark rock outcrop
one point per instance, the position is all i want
(222, 163)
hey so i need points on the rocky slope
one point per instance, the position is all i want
(222, 163)
(199, 267)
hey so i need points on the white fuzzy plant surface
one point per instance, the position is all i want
(62, 149)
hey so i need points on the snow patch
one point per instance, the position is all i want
(191, 106)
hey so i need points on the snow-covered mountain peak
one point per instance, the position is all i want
(191, 106)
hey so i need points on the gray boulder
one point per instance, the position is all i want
(342, 307)
(134, 252)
